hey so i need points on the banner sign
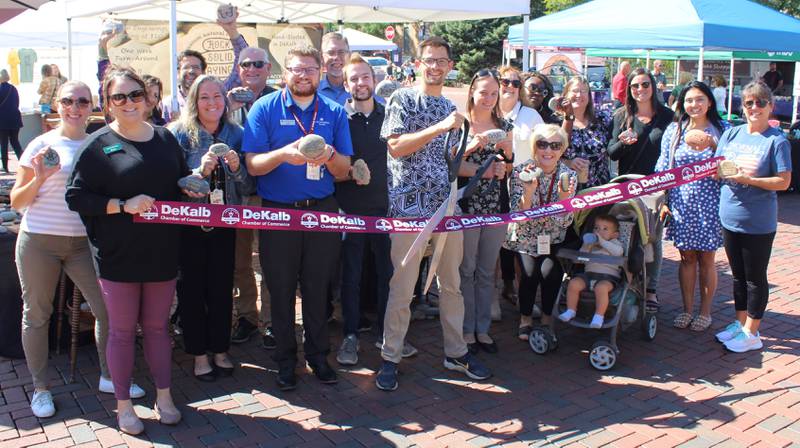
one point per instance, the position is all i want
(244, 217)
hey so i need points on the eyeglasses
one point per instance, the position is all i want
(194, 68)
(643, 85)
(256, 64)
(299, 71)
(515, 83)
(544, 144)
(81, 102)
(536, 89)
(334, 53)
(120, 99)
(757, 103)
(433, 62)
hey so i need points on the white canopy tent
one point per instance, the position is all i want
(22, 4)
(292, 11)
(359, 41)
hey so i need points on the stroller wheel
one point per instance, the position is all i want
(602, 356)
(649, 326)
(539, 341)
(552, 339)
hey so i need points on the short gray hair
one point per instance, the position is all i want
(258, 50)
(4, 75)
(333, 35)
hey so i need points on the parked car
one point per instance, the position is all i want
(379, 65)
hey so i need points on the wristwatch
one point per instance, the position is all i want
(569, 117)
(121, 203)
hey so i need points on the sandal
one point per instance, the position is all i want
(524, 332)
(700, 323)
(682, 320)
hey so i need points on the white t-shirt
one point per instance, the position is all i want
(524, 120)
(720, 94)
(48, 213)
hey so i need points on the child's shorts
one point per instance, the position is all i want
(591, 279)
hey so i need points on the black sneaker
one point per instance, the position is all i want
(364, 325)
(268, 340)
(286, 380)
(324, 373)
(468, 365)
(243, 331)
(387, 376)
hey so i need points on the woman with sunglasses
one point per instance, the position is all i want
(537, 240)
(482, 245)
(694, 207)
(748, 211)
(524, 120)
(53, 238)
(120, 171)
(589, 133)
(636, 144)
(205, 287)
(537, 94)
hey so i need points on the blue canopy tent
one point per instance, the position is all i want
(680, 24)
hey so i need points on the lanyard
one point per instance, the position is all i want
(297, 119)
(551, 190)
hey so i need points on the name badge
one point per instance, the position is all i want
(217, 197)
(287, 122)
(543, 244)
(313, 172)
(112, 148)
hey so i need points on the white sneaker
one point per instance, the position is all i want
(597, 321)
(106, 386)
(408, 349)
(744, 342)
(566, 316)
(729, 332)
(42, 404)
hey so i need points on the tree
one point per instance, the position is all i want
(552, 6)
(791, 7)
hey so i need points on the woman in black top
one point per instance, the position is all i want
(636, 145)
(10, 119)
(538, 91)
(120, 171)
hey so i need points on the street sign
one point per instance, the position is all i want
(389, 32)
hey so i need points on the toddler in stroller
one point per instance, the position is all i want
(599, 277)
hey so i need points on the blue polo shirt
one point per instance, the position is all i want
(270, 125)
(338, 94)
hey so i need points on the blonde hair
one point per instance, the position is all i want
(757, 89)
(547, 131)
(190, 118)
(684, 78)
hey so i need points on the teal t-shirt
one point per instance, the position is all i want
(744, 208)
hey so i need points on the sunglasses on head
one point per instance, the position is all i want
(758, 103)
(120, 99)
(81, 102)
(485, 72)
(643, 85)
(256, 64)
(515, 83)
(544, 144)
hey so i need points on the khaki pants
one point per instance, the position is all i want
(401, 290)
(39, 260)
(244, 278)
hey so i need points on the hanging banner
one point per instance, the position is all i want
(243, 217)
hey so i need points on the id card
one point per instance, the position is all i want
(543, 244)
(217, 197)
(313, 172)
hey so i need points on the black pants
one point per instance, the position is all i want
(205, 289)
(748, 256)
(6, 136)
(287, 256)
(547, 274)
(352, 263)
(507, 259)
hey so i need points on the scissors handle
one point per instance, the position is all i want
(472, 185)
(454, 161)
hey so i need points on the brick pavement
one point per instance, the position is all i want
(680, 390)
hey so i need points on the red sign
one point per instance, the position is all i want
(389, 32)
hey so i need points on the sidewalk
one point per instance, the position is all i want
(682, 389)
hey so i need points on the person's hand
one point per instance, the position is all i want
(40, 172)
(741, 177)
(232, 103)
(292, 155)
(139, 203)
(478, 141)
(208, 163)
(230, 28)
(566, 106)
(664, 212)
(105, 38)
(628, 137)
(498, 169)
(529, 187)
(231, 158)
(579, 164)
(322, 158)
(453, 121)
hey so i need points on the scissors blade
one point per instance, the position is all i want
(427, 231)
(438, 247)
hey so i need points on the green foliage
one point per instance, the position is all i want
(552, 6)
(375, 29)
(791, 7)
(474, 43)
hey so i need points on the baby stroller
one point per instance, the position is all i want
(639, 227)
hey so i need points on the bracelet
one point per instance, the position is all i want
(333, 154)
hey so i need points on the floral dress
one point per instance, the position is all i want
(521, 236)
(695, 223)
(590, 143)
(487, 199)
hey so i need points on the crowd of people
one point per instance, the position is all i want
(79, 212)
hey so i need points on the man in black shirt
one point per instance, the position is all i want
(365, 116)
(773, 78)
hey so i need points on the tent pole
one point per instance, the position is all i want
(525, 48)
(69, 48)
(700, 65)
(677, 69)
(795, 92)
(173, 54)
(647, 64)
(585, 64)
(730, 91)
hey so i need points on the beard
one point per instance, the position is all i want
(302, 91)
(363, 95)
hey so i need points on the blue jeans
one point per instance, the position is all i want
(352, 263)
